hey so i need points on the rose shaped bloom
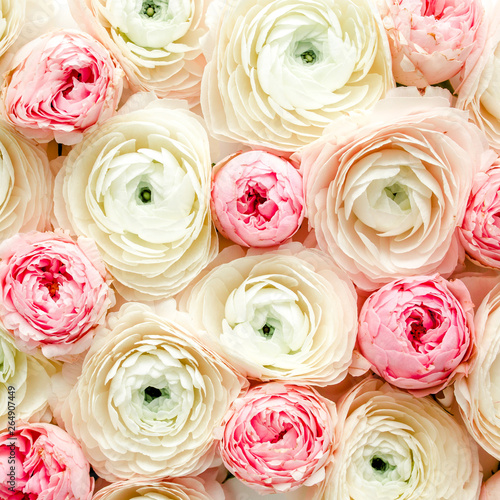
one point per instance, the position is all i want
(186, 488)
(480, 228)
(157, 42)
(281, 70)
(53, 292)
(477, 394)
(278, 437)
(288, 314)
(394, 446)
(479, 92)
(140, 187)
(257, 199)
(385, 197)
(27, 380)
(491, 488)
(418, 332)
(26, 184)
(149, 398)
(59, 85)
(430, 40)
(43, 462)
(12, 14)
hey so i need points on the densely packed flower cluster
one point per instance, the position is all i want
(249, 247)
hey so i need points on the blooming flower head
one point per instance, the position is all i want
(394, 446)
(53, 292)
(157, 42)
(430, 40)
(59, 85)
(282, 70)
(257, 199)
(49, 465)
(418, 332)
(278, 437)
(149, 398)
(140, 187)
(480, 229)
(385, 194)
(288, 314)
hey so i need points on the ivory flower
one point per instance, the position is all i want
(149, 398)
(395, 446)
(288, 314)
(282, 70)
(12, 15)
(140, 187)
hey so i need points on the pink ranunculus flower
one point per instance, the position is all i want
(278, 437)
(257, 198)
(43, 462)
(480, 228)
(430, 40)
(59, 85)
(418, 332)
(491, 488)
(53, 292)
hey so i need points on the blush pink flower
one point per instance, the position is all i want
(53, 292)
(49, 465)
(430, 40)
(257, 199)
(278, 437)
(59, 85)
(491, 488)
(480, 229)
(418, 332)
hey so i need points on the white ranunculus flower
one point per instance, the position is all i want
(478, 394)
(12, 14)
(25, 184)
(288, 314)
(393, 446)
(29, 376)
(281, 70)
(140, 187)
(149, 398)
(157, 42)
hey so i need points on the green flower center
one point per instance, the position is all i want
(149, 8)
(267, 331)
(381, 465)
(152, 393)
(309, 56)
(398, 194)
(144, 193)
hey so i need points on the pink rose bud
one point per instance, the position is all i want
(480, 229)
(278, 437)
(418, 332)
(59, 85)
(53, 292)
(257, 199)
(430, 40)
(43, 462)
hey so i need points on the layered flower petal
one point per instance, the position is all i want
(12, 15)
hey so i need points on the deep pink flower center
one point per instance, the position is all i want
(53, 274)
(256, 204)
(279, 436)
(419, 323)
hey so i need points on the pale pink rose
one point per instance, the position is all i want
(53, 292)
(418, 332)
(48, 465)
(430, 40)
(385, 191)
(278, 437)
(491, 488)
(257, 199)
(480, 229)
(59, 85)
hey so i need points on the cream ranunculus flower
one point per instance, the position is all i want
(478, 393)
(149, 398)
(184, 488)
(29, 376)
(140, 187)
(288, 314)
(281, 70)
(12, 15)
(157, 42)
(25, 184)
(395, 446)
(386, 191)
